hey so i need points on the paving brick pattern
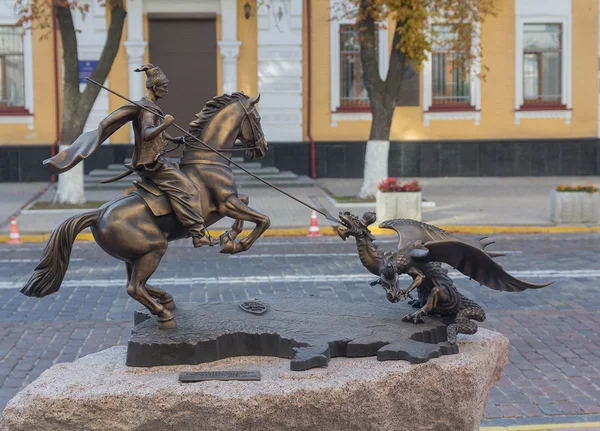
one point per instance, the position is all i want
(554, 362)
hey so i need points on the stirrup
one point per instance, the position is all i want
(203, 239)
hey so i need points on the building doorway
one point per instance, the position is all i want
(185, 48)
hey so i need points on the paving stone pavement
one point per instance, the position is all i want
(553, 374)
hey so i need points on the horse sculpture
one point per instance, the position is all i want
(138, 228)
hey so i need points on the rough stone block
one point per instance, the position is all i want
(98, 392)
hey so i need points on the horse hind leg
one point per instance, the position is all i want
(141, 270)
(164, 298)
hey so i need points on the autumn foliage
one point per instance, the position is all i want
(413, 24)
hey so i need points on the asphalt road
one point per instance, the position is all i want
(554, 370)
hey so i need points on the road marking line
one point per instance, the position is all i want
(540, 427)
(547, 275)
(248, 256)
(32, 260)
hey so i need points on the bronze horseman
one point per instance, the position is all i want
(421, 250)
(137, 228)
(148, 153)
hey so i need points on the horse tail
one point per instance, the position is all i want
(50, 272)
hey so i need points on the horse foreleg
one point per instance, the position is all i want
(141, 270)
(235, 208)
(164, 298)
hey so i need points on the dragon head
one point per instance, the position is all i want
(353, 226)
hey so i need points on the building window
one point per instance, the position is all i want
(542, 65)
(353, 93)
(12, 70)
(449, 85)
(349, 98)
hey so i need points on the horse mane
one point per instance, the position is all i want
(212, 107)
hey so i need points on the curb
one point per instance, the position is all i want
(329, 231)
(543, 427)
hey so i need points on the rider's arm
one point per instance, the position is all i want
(149, 131)
(180, 140)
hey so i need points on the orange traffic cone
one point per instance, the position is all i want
(314, 225)
(14, 237)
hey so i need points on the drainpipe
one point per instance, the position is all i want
(54, 148)
(313, 152)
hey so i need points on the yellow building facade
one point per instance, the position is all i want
(535, 113)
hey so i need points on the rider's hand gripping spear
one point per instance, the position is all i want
(208, 147)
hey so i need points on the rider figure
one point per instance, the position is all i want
(149, 162)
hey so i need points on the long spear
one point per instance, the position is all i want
(208, 147)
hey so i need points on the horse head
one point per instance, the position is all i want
(251, 133)
(225, 119)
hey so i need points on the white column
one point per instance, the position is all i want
(229, 46)
(135, 47)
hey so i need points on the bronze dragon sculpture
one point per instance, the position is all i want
(421, 250)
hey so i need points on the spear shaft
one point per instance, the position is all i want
(208, 147)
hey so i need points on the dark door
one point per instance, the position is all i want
(186, 50)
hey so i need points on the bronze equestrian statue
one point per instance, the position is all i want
(138, 228)
(421, 250)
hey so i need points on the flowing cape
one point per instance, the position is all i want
(87, 143)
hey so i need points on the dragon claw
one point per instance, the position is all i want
(416, 317)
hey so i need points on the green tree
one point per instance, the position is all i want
(413, 38)
(41, 15)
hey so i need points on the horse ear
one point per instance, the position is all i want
(254, 100)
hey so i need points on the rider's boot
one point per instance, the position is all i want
(201, 236)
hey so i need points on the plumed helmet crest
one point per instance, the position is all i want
(154, 76)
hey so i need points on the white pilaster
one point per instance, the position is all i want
(280, 69)
(229, 46)
(230, 51)
(135, 47)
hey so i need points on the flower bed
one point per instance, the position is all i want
(398, 200)
(575, 204)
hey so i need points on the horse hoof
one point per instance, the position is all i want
(231, 247)
(225, 238)
(166, 320)
(169, 324)
(167, 302)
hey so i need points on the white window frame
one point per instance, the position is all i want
(475, 88)
(334, 39)
(566, 33)
(28, 69)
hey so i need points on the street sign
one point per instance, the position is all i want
(86, 67)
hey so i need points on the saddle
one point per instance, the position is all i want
(154, 198)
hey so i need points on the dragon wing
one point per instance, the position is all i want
(410, 231)
(472, 262)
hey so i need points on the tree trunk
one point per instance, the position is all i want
(376, 156)
(382, 98)
(76, 105)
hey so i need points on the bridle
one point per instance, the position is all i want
(252, 117)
